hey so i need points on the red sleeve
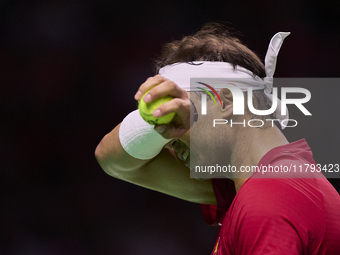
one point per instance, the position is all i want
(224, 190)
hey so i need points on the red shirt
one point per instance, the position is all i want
(277, 215)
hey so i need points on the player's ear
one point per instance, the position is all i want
(226, 108)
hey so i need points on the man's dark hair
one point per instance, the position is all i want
(214, 42)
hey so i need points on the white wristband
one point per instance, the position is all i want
(138, 138)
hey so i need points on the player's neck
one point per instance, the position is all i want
(250, 146)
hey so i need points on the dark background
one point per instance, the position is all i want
(68, 73)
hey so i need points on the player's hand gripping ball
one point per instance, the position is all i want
(146, 110)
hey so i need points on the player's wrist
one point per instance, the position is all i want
(138, 138)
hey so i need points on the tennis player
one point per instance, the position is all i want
(256, 213)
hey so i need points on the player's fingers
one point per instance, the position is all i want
(163, 89)
(148, 84)
(180, 123)
(177, 105)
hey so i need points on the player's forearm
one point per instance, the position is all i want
(112, 157)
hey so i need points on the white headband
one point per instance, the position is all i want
(180, 73)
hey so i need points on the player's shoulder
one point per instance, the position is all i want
(275, 196)
(291, 154)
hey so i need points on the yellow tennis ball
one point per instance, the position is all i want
(146, 110)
